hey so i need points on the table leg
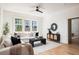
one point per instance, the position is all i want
(43, 41)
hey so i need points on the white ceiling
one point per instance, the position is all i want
(29, 7)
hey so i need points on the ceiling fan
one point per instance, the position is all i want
(38, 9)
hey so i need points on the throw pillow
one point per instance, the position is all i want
(15, 40)
(7, 41)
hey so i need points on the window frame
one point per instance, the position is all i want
(28, 24)
(19, 23)
(34, 24)
(23, 25)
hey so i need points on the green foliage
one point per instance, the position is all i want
(6, 29)
(18, 27)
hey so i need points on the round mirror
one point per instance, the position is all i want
(54, 27)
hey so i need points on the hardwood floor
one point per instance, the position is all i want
(65, 49)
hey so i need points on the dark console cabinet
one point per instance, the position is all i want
(53, 37)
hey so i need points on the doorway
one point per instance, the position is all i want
(73, 30)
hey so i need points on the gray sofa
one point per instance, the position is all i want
(19, 49)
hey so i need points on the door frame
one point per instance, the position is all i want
(70, 29)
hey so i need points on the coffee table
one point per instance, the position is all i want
(31, 41)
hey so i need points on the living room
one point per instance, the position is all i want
(26, 21)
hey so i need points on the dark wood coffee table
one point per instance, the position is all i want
(31, 41)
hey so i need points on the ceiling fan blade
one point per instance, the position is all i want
(41, 11)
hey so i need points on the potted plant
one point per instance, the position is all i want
(6, 29)
(5, 32)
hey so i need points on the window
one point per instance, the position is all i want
(18, 24)
(34, 25)
(27, 25)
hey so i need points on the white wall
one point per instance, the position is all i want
(9, 16)
(46, 25)
(61, 18)
(1, 20)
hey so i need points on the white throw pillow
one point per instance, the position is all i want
(7, 41)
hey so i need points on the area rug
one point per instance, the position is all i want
(39, 48)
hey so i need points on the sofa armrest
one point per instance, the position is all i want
(19, 49)
(5, 51)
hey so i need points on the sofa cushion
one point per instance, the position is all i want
(7, 40)
(2, 46)
(29, 34)
(7, 44)
(18, 49)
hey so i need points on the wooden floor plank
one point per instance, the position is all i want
(65, 49)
